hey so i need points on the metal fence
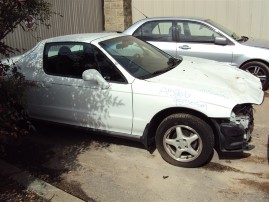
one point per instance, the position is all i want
(79, 16)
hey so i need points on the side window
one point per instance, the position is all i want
(155, 31)
(196, 32)
(180, 29)
(68, 59)
(107, 69)
(162, 28)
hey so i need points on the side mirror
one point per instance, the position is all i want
(94, 75)
(219, 40)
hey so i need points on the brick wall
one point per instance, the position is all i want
(118, 14)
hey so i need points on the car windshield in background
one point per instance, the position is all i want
(224, 29)
(140, 59)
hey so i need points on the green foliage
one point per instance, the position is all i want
(13, 118)
(13, 14)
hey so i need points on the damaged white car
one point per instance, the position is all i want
(121, 86)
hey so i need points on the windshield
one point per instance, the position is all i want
(139, 58)
(224, 29)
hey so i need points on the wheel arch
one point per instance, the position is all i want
(265, 83)
(254, 60)
(148, 138)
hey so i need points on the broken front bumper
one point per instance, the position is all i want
(236, 134)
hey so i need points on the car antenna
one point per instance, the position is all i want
(140, 12)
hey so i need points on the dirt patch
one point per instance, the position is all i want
(101, 145)
(234, 190)
(255, 159)
(266, 175)
(261, 186)
(223, 168)
(219, 168)
(12, 191)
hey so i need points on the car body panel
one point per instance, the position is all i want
(213, 96)
(257, 43)
(128, 107)
(83, 103)
(207, 51)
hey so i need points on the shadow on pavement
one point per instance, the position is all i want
(52, 150)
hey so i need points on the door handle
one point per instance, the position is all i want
(185, 47)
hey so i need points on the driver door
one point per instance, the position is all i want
(197, 40)
(64, 97)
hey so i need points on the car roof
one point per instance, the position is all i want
(174, 18)
(137, 24)
(86, 37)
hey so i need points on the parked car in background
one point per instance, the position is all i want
(205, 38)
(119, 85)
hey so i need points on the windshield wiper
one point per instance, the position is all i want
(243, 38)
(157, 72)
(172, 62)
(163, 70)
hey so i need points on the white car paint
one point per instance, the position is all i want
(185, 86)
(176, 89)
(128, 108)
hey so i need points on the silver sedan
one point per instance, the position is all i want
(205, 38)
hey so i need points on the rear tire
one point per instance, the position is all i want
(259, 70)
(185, 140)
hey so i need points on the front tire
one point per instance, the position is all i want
(259, 70)
(185, 140)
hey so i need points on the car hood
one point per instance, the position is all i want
(257, 43)
(213, 82)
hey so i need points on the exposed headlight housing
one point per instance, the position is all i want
(243, 115)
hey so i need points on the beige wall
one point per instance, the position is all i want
(79, 16)
(245, 17)
(118, 14)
